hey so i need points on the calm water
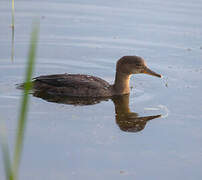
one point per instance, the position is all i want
(86, 142)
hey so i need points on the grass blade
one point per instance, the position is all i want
(24, 102)
(5, 153)
(13, 30)
(12, 44)
(13, 14)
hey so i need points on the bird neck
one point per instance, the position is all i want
(121, 84)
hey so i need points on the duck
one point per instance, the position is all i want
(87, 86)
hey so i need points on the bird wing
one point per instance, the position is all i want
(72, 80)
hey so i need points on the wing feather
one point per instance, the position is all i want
(73, 80)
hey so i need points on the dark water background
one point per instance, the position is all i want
(84, 142)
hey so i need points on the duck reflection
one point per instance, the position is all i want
(126, 120)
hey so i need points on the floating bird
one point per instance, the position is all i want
(79, 85)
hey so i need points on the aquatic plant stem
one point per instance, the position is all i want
(24, 103)
(13, 30)
(12, 44)
(5, 153)
(13, 14)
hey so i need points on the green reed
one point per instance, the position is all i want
(13, 14)
(24, 103)
(13, 30)
(6, 154)
(12, 168)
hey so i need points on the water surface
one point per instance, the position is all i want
(85, 142)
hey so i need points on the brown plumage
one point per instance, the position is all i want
(79, 85)
(75, 85)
